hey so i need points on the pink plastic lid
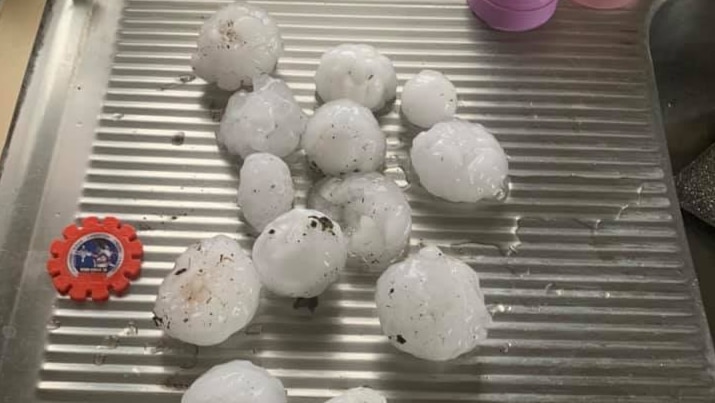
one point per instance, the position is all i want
(522, 5)
(514, 15)
(607, 4)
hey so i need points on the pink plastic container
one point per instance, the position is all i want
(513, 15)
(607, 4)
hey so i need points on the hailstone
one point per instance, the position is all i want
(344, 137)
(430, 305)
(237, 44)
(460, 161)
(300, 253)
(265, 190)
(372, 211)
(357, 72)
(212, 293)
(429, 98)
(236, 382)
(268, 119)
(359, 395)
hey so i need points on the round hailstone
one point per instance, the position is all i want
(357, 72)
(212, 293)
(235, 45)
(460, 161)
(372, 211)
(265, 120)
(265, 190)
(429, 98)
(359, 395)
(238, 382)
(344, 137)
(300, 253)
(430, 306)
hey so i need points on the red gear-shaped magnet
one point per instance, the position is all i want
(98, 256)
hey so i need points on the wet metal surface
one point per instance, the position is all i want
(584, 264)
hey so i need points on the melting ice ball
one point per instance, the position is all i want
(460, 161)
(430, 305)
(239, 42)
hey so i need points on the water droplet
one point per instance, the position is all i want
(53, 324)
(591, 223)
(508, 244)
(157, 348)
(117, 116)
(99, 359)
(9, 331)
(109, 343)
(187, 78)
(399, 176)
(499, 308)
(551, 289)
(130, 330)
(505, 348)
(509, 248)
(254, 329)
(621, 210)
(192, 356)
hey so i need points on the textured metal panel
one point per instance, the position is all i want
(584, 264)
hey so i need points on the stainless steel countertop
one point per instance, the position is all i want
(585, 265)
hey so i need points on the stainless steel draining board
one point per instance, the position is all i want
(584, 265)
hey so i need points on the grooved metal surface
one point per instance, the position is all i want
(583, 265)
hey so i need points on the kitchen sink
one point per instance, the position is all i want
(682, 42)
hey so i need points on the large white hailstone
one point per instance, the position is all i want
(372, 211)
(359, 395)
(357, 72)
(300, 253)
(265, 190)
(212, 293)
(429, 98)
(236, 382)
(235, 45)
(460, 161)
(344, 137)
(431, 306)
(268, 119)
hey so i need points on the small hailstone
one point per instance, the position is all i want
(359, 395)
(212, 293)
(429, 98)
(460, 161)
(372, 211)
(357, 72)
(239, 42)
(300, 253)
(344, 137)
(265, 190)
(236, 381)
(430, 305)
(268, 119)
